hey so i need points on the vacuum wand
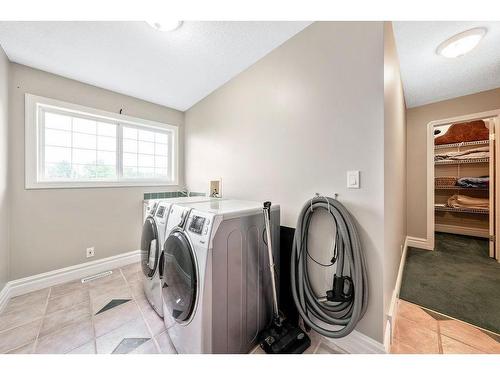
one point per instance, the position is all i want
(280, 336)
(267, 221)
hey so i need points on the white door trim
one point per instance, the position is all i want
(47, 279)
(430, 164)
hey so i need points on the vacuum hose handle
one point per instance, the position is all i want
(267, 221)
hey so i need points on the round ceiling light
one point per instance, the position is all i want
(458, 45)
(166, 25)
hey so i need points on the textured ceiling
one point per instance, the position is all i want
(429, 78)
(175, 69)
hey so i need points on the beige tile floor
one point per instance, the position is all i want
(421, 331)
(66, 319)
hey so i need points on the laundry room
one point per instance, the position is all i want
(229, 186)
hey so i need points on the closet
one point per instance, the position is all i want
(464, 173)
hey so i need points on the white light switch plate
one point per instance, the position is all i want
(353, 179)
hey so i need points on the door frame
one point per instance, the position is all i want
(495, 114)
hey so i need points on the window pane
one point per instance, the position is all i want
(103, 128)
(61, 170)
(161, 172)
(161, 138)
(146, 172)
(129, 146)
(129, 172)
(84, 126)
(105, 172)
(84, 141)
(83, 147)
(145, 135)
(146, 161)
(146, 147)
(106, 158)
(84, 156)
(57, 154)
(129, 133)
(57, 138)
(161, 149)
(55, 121)
(130, 160)
(84, 172)
(106, 143)
(161, 162)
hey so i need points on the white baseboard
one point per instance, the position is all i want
(354, 343)
(393, 308)
(419, 243)
(358, 343)
(44, 280)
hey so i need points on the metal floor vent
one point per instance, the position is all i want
(95, 277)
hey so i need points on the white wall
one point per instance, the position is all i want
(394, 166)
(293, 124)
(51, 228)
(4, 198)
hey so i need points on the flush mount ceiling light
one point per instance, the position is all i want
(165, 25)
(458, 45)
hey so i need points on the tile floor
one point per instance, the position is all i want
(421, 331)
(107, 315)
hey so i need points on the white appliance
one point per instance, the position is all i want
(152, 239)
(215, 290)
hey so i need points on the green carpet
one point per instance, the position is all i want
(457, 279)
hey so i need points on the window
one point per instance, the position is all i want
(74, 146)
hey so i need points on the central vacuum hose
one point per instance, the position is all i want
(346, 303)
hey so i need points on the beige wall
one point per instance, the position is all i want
(4, 198)
(417, 120)
(394, 165)
(292, 125)
(51, 228)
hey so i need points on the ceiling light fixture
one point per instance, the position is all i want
(458, 45)
(166, 25)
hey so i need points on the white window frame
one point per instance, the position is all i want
(34, 105)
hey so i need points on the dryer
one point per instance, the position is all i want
(215, 290)
(152, 239)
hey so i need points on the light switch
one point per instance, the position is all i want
(353, 179)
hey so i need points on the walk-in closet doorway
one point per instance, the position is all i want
(447, 178)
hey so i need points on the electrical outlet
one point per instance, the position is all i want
(90, 252)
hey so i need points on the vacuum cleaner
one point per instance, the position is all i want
(281, 336)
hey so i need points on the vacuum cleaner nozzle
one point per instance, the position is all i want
(284, 339)
(281, 337)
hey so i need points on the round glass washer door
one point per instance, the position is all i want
(150, 247)
(179, 277)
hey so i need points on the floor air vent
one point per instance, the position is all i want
(95, 277)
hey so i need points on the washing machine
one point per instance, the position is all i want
(152, 239)
(215, 284)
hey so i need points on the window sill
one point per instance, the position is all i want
(97, 185)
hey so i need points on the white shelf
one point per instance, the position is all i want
(483, 211)
(461, 144)
(464, 161)
(459, 188)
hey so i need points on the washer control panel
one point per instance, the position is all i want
(160, 212)
(196, 225)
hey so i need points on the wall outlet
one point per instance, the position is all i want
(90, 252)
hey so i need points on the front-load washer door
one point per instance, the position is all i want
(150, 247)
(179, 277)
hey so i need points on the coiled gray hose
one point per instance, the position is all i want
(349, 261)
